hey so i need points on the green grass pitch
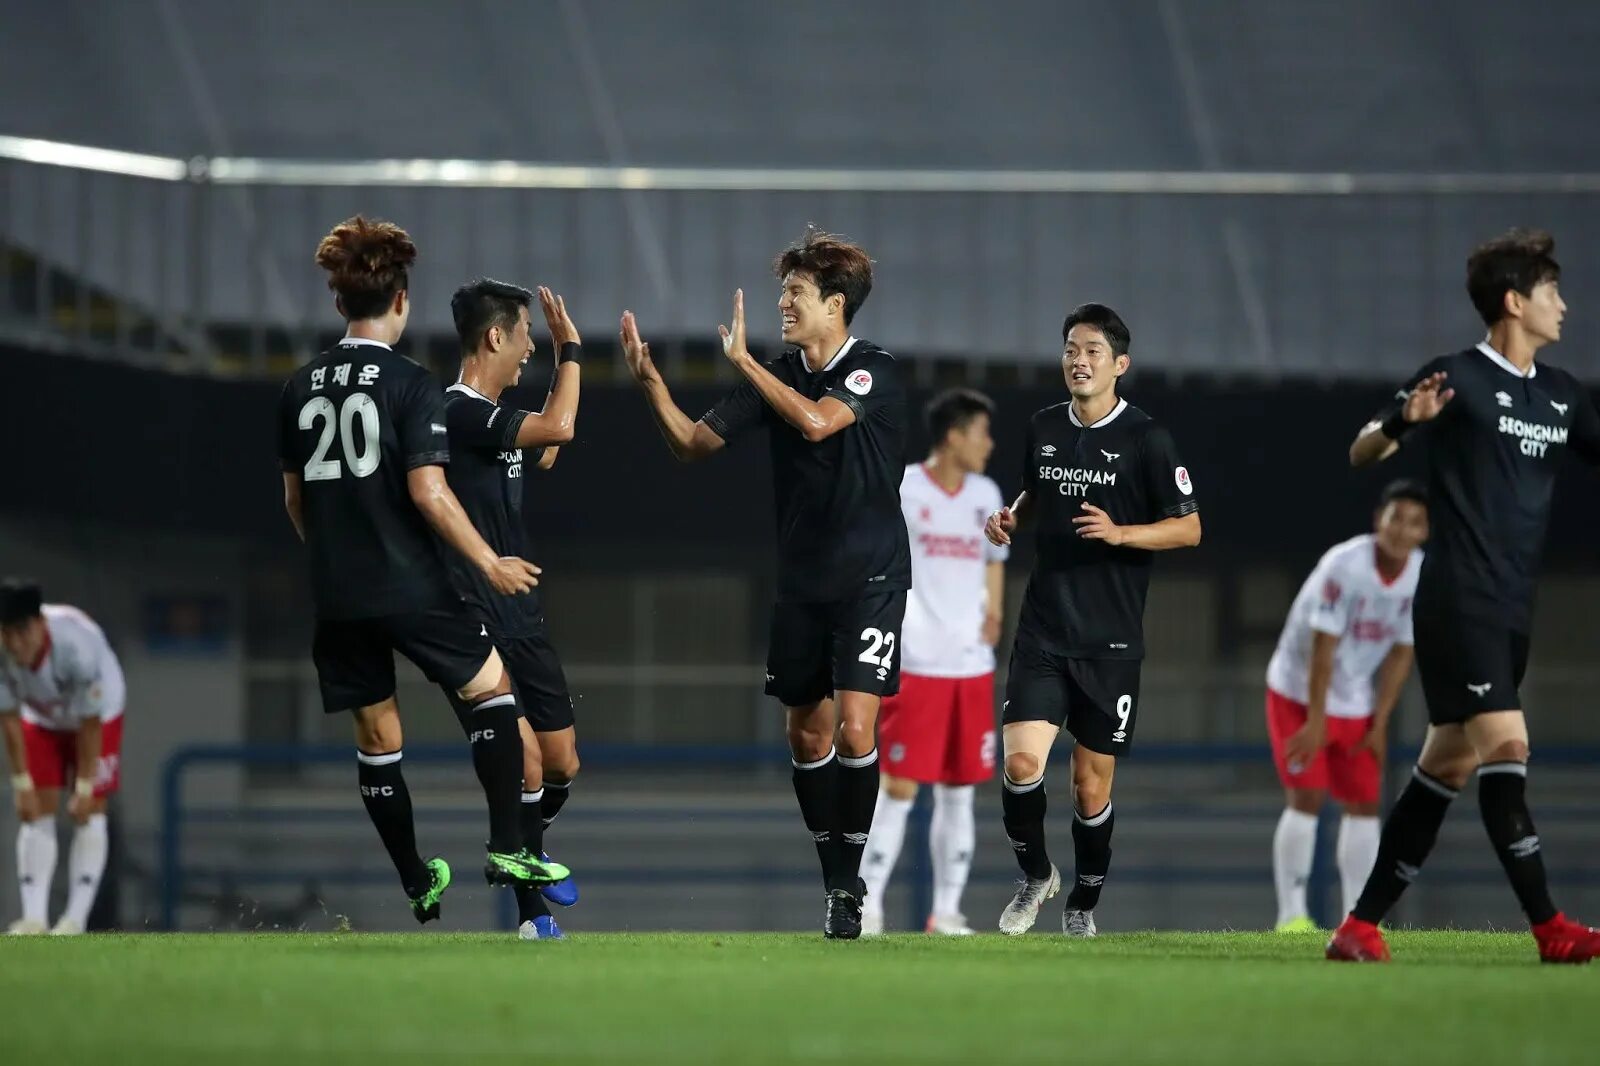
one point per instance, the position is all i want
(1169, 998)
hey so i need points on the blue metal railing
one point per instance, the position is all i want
(176, 816)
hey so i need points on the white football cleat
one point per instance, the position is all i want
(26, 927)
(871, 920)
(1023, 910)
(949, 925)
(66, 927)
(1078, 923)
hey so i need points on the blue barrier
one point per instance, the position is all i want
(175, 816)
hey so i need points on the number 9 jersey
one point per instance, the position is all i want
(352, 423)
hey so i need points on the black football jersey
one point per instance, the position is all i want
(486, 472)
(352, 423)
(1492, 458)
(1085, 598)
(840, 531)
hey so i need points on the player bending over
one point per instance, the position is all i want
(61, 701)
(362, 439)
(487, 463)
(1351, 621)
(1103, 483)
(836, 412)
(1494, 424)
(940, 729)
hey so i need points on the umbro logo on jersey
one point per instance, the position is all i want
(1482, 690)
(483, 631)
(1047, 449)
(1504, 399)
(436, 427)
(1561, 408)
(1111, 457)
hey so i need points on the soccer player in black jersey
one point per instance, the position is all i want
(1104, 485)
(486, 472)
(1494, 425)
(363, 445)
(836, 414)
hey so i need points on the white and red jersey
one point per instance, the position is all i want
(1345, 597)
(943, 632)
(76, 677)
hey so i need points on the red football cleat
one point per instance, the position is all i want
(1357, 941)
(1563, 940)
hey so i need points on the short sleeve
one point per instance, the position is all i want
(1331, 612)
(287, 457)
(9, 704)
(736, 413)
(424, 436)
(481, 425)
(995, 553)
(1585, 437)
(1030, 473)
(80, 668)
(1166, 478)
(1398, 401)
(873, 385)
(1403, 633)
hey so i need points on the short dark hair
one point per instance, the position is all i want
(1406, 488)
(1102, 318)
(480, 305)
(835, 264)
(368, 261)
(954, 409)
(20, 600)
(1515, 261)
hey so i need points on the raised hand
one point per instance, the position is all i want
(636, 352)
(562, 331)
(1427, 399)
(1095, 524)
(511, 576)
(733, 340)
(1000, 526)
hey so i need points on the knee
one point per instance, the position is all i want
(1023, 766)
(807, 744)
(1091, 791)
(562, 771)
(900, 788)
(1455, 771)
(856, 738)
(377, 736)
(1508, 751)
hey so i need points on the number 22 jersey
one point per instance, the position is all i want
(352, 423)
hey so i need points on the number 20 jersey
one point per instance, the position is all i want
(352, 423)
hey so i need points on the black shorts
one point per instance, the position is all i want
(1468, 665)
(540, 683)
(1096, 700)
(817, 649)
(355, 657)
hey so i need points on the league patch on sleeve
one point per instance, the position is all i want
(859, 382)
(1181, 476)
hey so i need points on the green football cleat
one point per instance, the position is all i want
(1299, 925)
(522, 867)
(426, 906)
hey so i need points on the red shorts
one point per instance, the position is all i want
(1345, 769)
(939, 730)
(53, 756)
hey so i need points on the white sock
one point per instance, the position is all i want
(86, 862)
(883, 845)
(36, 867)
(952, 836)
(1358, 851)
(1293, 846)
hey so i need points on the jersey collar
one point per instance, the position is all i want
(849, 342)
(1505, 364)
(365, 340)
(467, 390)
(1072, 413)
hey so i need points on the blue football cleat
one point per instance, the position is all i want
(563, 893)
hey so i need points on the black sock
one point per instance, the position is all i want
(1024, 807)
(388, 803)
(858, 797)
(530, 904)
(816, 786)
(1091, 846)
(497, 758)
(555, 798)
(1503, 802)
(1408, 835)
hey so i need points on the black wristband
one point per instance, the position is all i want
(1395, 426)
(571, 352)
